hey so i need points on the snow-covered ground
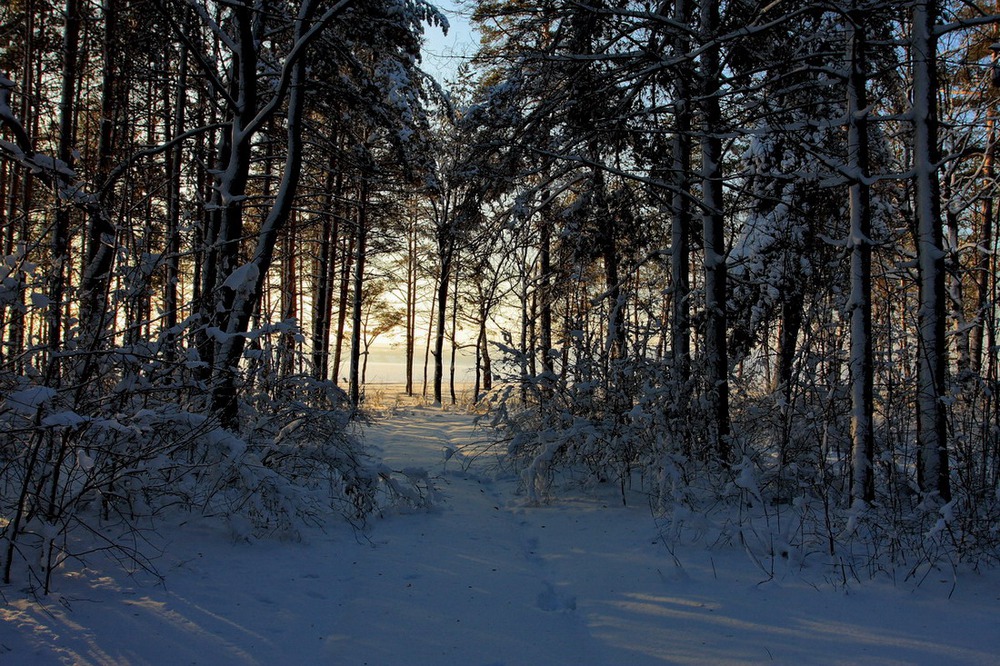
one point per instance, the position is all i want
(485, 579)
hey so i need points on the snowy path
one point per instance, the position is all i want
(489, 580)
(463, 585)
(485, 580)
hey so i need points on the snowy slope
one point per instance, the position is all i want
(485, 579)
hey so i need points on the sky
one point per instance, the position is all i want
(387, 364)
(444, 53)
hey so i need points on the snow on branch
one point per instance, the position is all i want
(53, 172)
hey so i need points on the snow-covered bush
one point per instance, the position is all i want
(93, 468)
(784, 498)
(610, 424)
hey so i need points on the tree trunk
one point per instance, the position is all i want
(486, 358)
(525, 339)
(361, 248)
(245, 297)
(446, 250)
(953, 279)
(932, 461)
(174, 156)
(322, 307)
(792, 307)
(716, 352)
(479, 369)
(430, 340)
(680, 212)
(100, 232)
(454, 335)
(411, 298)
(983, 261)
(289, 298)
(859, 305)
(347, 261)
(60, 233)
(544, 295)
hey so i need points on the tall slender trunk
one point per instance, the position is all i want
(446, 243)
(716, 351)
(479, 369)
(206, 268)
(357, 323)
(544, 294)
(245, 297)
(484, 364)
(236, 162)
(454, 335)
(330, 257)
(530, 323)
(932, 461)
(792, 308)
(323, 301)
(487, 360)
(525, 342)
(983, 257)
(411, 298)
(445, 255)
(58, 274)
(21, 188)
(289, 297)
(100, 231)
(953, 280)
(617, 334)
(680, 211)
(347, 261)
(170, 303)
(860, 306)
(430, 340)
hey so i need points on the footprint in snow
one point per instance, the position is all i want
(531, 551)
(551, 601)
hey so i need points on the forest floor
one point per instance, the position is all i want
(485, 579)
